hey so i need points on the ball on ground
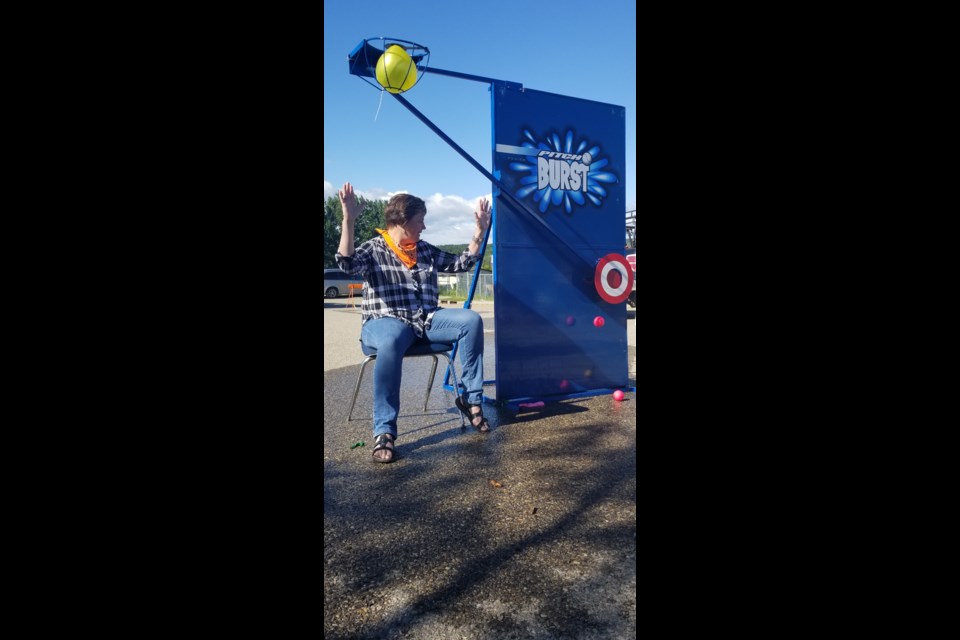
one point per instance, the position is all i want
(618, 395)
(598, 321)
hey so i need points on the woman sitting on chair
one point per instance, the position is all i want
(400, 300)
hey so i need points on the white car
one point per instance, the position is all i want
(335, 283)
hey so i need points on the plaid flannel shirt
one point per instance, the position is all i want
(391, 290)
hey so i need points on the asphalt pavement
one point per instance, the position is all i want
(526, 532)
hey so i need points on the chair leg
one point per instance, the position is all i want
(433, 372)
(456, 386)
(356, 389)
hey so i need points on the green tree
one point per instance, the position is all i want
(371, 217)
(332, 219)
(457, 249)
(487, 264)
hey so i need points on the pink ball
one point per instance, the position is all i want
(598, 321)
(618, 395)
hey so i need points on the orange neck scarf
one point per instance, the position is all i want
(407, 255)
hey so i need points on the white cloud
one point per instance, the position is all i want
(449, 219)
(379, 194)
(329, 191)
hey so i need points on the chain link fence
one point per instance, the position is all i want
(457, 286)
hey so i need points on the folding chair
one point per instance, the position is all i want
(417, 349)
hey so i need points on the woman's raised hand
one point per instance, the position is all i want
(483, 215)
(348, 203)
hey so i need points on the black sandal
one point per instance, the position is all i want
(483, 426)
(382, 441)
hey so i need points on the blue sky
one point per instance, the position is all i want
(574, 48)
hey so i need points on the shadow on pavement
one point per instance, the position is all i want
(528, 531)
(340, 303)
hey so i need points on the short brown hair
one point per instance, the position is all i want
(402, 208)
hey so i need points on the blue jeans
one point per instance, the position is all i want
(391, 338)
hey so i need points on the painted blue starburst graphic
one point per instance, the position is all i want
(566, 173)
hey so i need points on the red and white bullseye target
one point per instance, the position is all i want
(613, 278)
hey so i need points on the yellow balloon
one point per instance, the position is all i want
(396, 71)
